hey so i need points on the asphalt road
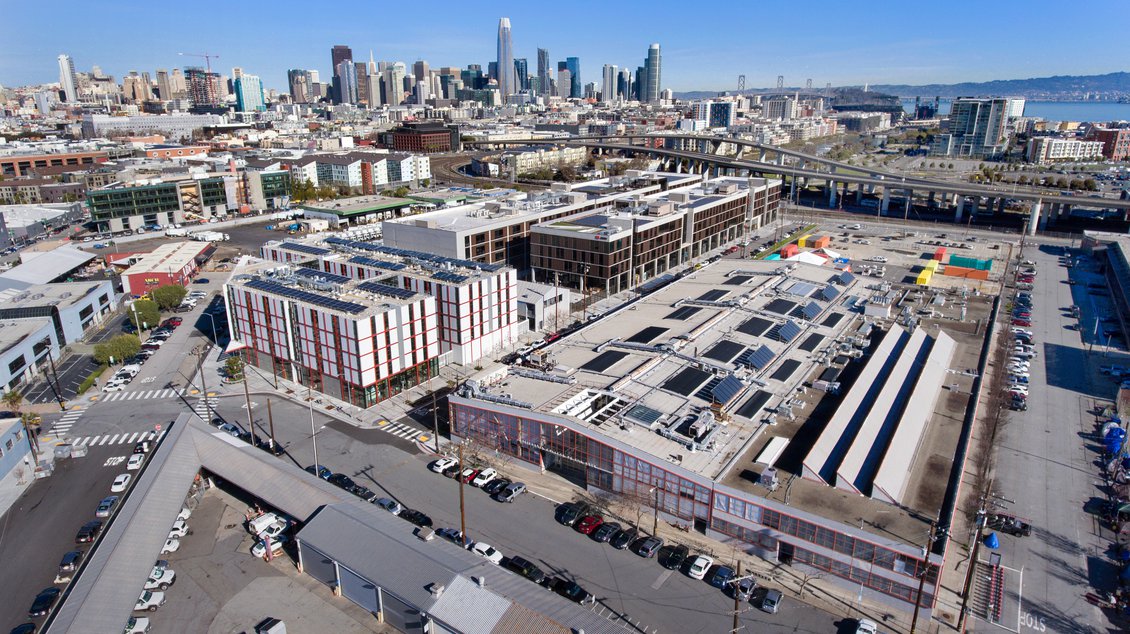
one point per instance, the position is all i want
(1046, 472)
(41, 526)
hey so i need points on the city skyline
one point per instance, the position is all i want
(702, 52)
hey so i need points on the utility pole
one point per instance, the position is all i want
(313, 432)
(203, 388)
(271, 422)
(435, 420)
(925, 571)
(247, 397)
(55, 387)
(655, 519)
(737, 604)
(462, 509)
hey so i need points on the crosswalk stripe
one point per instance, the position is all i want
(82, 441)
(114, 439)
(133, 438)
(94, 441)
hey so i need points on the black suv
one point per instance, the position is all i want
(341, 480)
(525, 568)
(88, 532)
(568, 513)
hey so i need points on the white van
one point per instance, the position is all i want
(257, 525)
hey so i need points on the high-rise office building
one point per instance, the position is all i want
(345, 78)
(640, 84)
(249, 93)
(164, 87)
(544, 74)
(624, 84)
(608, 87)
(652, 71)
(394, 84)
(521, 75)
(67, 80)
(300, 84)
(573, 64)
(422, 78)
(338, 54)
(203, 87)
(361, 72)
(505, 60)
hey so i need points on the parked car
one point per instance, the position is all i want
(525, 568)
(121, 483)
(605, 531)
(453, 535)
(698, 566)
(770, 602)
(866, 626)
(88, 532)
(135, 461)
(568, 513)
(743, 589)
(363, 492)
(320, 471)
(137, 625)
(587, 524)
(672, 557)
(230, 429)
(512, 491)
(172, 545)
(439, 466)
(160, 578)
(496, 485)
(150, 601)
(720, 576)
(106, 506)
(623, 538)
(647, 547)
(70, 561)
(416, 517)
(392, 506)
(277, 544)
(569, 589)
(43, 602)
(484, 476)
(468, 474)
(488, 552)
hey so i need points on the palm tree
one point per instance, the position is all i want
(13, 400)
(31, 422)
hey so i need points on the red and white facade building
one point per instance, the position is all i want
(171, 263)
(476, 303)
(360, 342)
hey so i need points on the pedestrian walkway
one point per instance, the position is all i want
(400, 430)
(126, 438)
(66, 421)
(202, 406)
(141, 395)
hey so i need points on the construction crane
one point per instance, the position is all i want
(207, 58)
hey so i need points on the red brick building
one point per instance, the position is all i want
(424, 136)
(27, 164)
(1116, 142)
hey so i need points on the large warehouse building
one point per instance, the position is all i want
(716, 395)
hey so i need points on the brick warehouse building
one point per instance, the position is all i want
(424, 136)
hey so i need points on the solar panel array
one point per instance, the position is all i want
(738, 280)
(377, 264)
(304, 248)
(415, 255)
(727, 389)
(604, 360)
(845, 278)
(780, 306)
(787, 331)
(753, 405)
(448, 276)
(829, 293)
(832, 319)
(759, 358)
(724, 351)
(683, 312)
(785, 370)
(811, 311)
(812, 342)
(323, 301)
(386, 290)
(713, 295)
(310, 273)
(687, 382)
(647, 334)
(755, 326)
(804, 289)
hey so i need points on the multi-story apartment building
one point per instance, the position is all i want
(358, 341)
(1046, 149)
(120, 207)
(1116, 141)
(977, 129)
(367, 171)
(174, 126)
(424, 136)
(497, 231)
(636, 239)
(476, 303)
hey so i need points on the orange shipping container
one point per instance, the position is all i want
(968, 273)
(821, 242)
(789, 250)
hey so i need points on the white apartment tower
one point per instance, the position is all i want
(67, 79)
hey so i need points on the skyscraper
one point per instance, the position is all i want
(521, 75)
(423, 79)
(361, 72)
(652, 71)
(300, 83)
(505, 59)
(249, 93)
(203, 87)
(544, 75)
(338, 54)
(164, 88)
(608, 88)
(574, 66)
(67, 80)
(394, 84)
(345, 78)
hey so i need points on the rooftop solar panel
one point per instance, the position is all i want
(304, 248)
(309, 273)
(724, 351)
(804, 289)
(829, 292)
(687, 382)
(811, 311)
(755, 326)
(738, 280)
(377, 264)
(714, 295)
(785, 370)
(780, 306)
(832, 319)
(812, 342)
(415, 255)
(448, 276)
(759, 358)
(683, 312)
(788, 331)
(647, 334)
(644, 414)
(595, 220)
(604, 360)
(753, 405)
(727, 389)
(386, 290)
(845, 278)
(307, 297)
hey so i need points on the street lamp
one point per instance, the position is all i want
(655, 519)
(313, 432)
(215, 338)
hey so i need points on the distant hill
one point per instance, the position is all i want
(1059, 87)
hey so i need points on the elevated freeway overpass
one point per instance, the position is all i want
(800, 169)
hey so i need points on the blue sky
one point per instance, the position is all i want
(706, 45)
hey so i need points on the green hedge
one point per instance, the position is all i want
(89, 381)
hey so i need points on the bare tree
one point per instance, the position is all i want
(805, 578)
